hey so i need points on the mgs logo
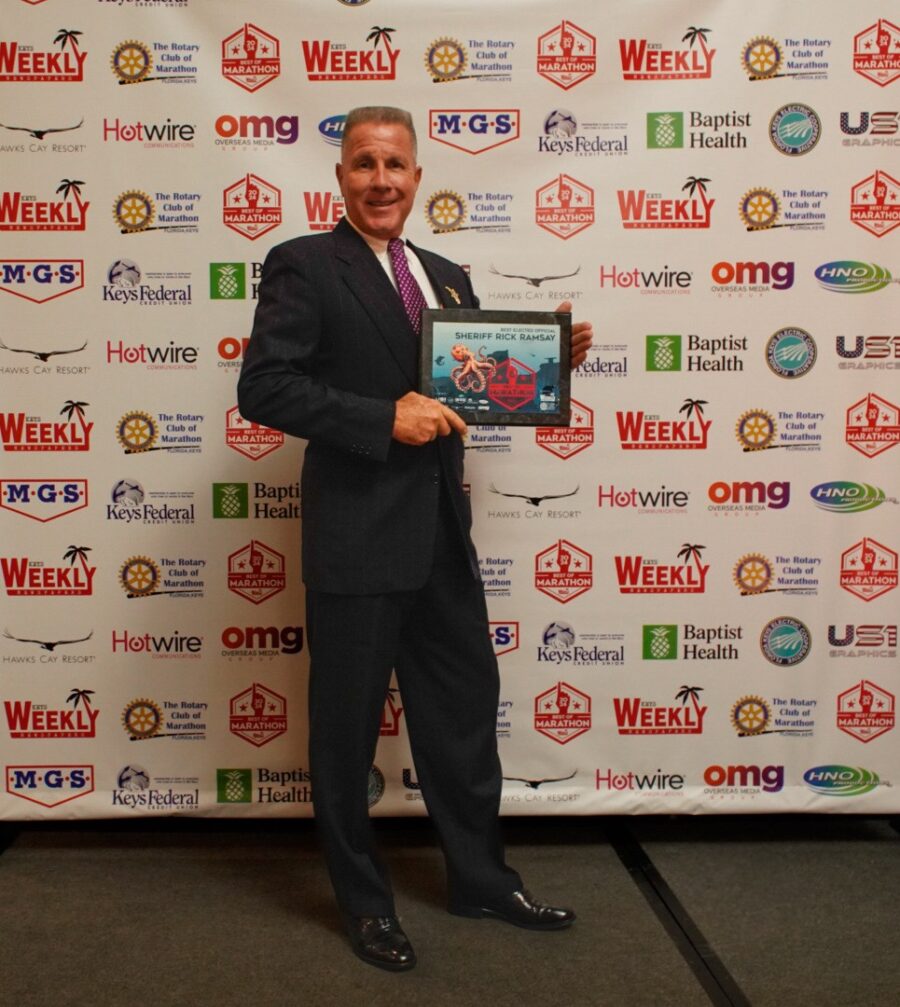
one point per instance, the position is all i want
(258, 715)
(562, 713)
(563, 572)
(872, 425)
(250, 57)
(251, 206)
(252, 440)
(865, 711)
(564, 206)
(473, 130)
(49, 786)
(875, 204)
(876, 52)
(567, 55)
(41, 280)
(868, 569)
(566, 442)
(43, 499)
(256, 572)
(504, 637)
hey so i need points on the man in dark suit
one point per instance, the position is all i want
(391, 574)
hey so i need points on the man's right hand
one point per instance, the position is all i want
(419, 419)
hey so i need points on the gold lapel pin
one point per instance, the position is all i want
(453, 294)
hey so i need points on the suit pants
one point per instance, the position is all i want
(437, 640)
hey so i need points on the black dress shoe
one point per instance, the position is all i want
(380, 941)
(522, 910)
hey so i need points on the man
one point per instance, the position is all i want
(390, 570)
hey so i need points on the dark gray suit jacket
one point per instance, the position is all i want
(330, 353)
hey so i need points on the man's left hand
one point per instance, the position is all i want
(582, 337)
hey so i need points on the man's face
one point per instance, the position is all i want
(378, 177)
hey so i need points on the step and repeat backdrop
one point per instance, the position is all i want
(693, 588)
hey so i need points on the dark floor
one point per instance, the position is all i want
(673, 912)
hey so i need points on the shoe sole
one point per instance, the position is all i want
(387, 966)
(473, 913)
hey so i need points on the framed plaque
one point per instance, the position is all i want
(498, 367)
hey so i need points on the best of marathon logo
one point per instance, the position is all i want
(25, 63)
(20, 211)
(20, 432)
(41, 280)
(564, 206)
(563, 571)
(875, 204)
(872, 425)
(566, 442)
(639, 208)
(644, 60)
(251, 206)
(562, 713)
(26, 719)
(876, 52)
(640, 431)
(567, 55)
(250, 57)
(641, 716)
(639, 575)
(326, 60)
(868, 569)
(256, 572)
(866, 711)
(252, 440)
(473, 130)
(258, 715)
(27, 577)
(43, 499)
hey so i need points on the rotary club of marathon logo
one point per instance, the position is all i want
(256, 572)
(447, 60)
(756, 430)
(144, 577)
(866, 711)
(872, 425)
(250, 57)
(875, 204)
(563, 571)
(251, 206)
(567, 55)
(868, 569)
(564, 206)
(131, 62)
(562, 713)
(876, 52)
(134, 211)
(138, 432)
(258, 714)
(763, 57)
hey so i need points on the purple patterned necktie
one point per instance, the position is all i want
(410, 291)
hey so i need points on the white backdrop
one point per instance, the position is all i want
(692, 589)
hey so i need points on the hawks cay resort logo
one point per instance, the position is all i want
(40, 133)
(47, 645)
(250, 57)
(179, 576)
(642, 208)
(22, 211)
(137, 62)
(879, 353)
(805, 57)
(43, 499)
(139, 432)
(26, 576)
(135, 212)
(562, 133)
(535, 509)
(41, 280)
(637, 574)
(28, 63)
(642, 431)
(130, 503)
(567, 55)
(803, 209)
(327, 60)
(473, 130)
(447, 59)
(761, 430)
(642, 59)
(127, 284)
(21, 432)
(876, 52)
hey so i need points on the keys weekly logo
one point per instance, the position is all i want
(24, 576)
(639, 716)
(638, 208)
(327, 60)
(639, 575)
(20, 432)
(26, 719)
(645, 60)
(640, 431)
(21, 211)
(27, 64)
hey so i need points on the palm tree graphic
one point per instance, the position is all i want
(693, 34)
(693, 405)
(82, 696)
(77, 408)
(71, 186)
(693, 184)
(377, 35)
(691, 692)
(67, 37)
(690, 552)
(78, 552)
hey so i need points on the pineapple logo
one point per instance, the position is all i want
(231, 500)
(227, 281)
(663, 353)
(660, 643)
(234, 786)
(665, 130)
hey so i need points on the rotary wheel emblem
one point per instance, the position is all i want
(131, 62)
(142, 718)
(755, 430)
(133, 211)
(760, 209)
(752, 573)
(445, 59)
(137, 432)
(445, 211)
(750, 715)
(761, 57)
(139, 577)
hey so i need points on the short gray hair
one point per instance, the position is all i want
(382, 114)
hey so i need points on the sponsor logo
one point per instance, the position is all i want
(250, 57)
(865, 711)
(126, 284)
(561, 136)
(755, 574)
(869, 352)
(872, 129)
(184, 720)
(28, 64)
(41, 280)
(495, 440)
(656, 783)
(752, 716)
(790, 352)
(376, 786)
(842, 497)
(785, 641)
(20, 432)
(795, 129)
(726, 130)
(870, 640)
(639, 208)
(331, 129)
(168, 135)
(654, 501)
(742, 781)
(868, 569)
(171, 357)
(447, 60)
(274, 786)
(390, 716)
(496, 575)
(664, 353)
(596, 367)
(447, 211)
(49, 647)
(256, 132)
(232, 500)
(639, 716)
(564, 206)
(639, 575)
(473, 130)
(640, 431)
(530, 793)
(50, 785)
(562, 713)
(764, 58)
(228, 282)
(26, 719)
(847, 276)
(258, 715)
(43, 499)
(252, 440)
(251, 206)
(842, 781)
(659, 642)
(564, 442)
(26, 577)
(700, 643)
(132, 62)
(130, 503)
(745, 497)
(256, 572)
(143, 577)
(504, 637)
(138, 432)
(21, 211)
(872, 425)
(261, 642)
(323, 210)
(751, 277)
(158, 646)
(876, 52)
(560, 644)
(327, 60)
(662, 281)
(134, 211)
(755, 430)
(644, 60)
(760, 209)
(567, 55)
(504, 721)
(875, 203)
(563, 571)
(136, 791)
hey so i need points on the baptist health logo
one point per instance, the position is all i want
(234, 786)
(665, 130)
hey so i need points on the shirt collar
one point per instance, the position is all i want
(378, 245)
